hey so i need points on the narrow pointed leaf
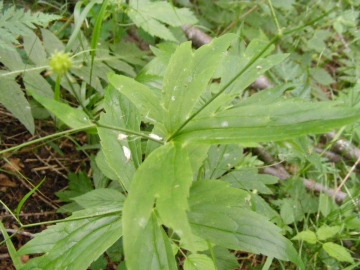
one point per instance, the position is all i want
(282, 120)
(34, 49)
(142, 97)
(121, 113)
(73, 244)
(164, 178)
(156, 251)
(187, 76)
(217, 215)
(72, 117)
(101, 197)
(12, 97)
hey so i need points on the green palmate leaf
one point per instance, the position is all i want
(338, 252)
(198, 262)
(12, 97)
(221, 159)
(280, 120)
(79, 184)
(120, 113)
(143, 98)
(75, 244)
(186, 77)
(151, 16)
(72, 117)
(248, 178)
(164, 178)
(218, 213)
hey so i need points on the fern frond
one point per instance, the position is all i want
(15, 23)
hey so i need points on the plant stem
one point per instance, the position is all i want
(46, 138)
(128, 131)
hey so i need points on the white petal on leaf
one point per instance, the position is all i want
(121, 137)
(155, 137)
(127, 153)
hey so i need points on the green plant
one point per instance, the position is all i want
(172, 141)
(161, 191)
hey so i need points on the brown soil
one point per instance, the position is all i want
(26, 167)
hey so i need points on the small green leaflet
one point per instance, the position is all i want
(74, 118)
(152, 17)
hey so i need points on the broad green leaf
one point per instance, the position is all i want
(35, 82)
(307, 236)
(326, 204)
(74, 244)
(214, 195)
(218, 213)
(100, 197)
(263, 208)
(51, 42)
(120, 113)
(325, 232)
(142, 97)
(288, 209)
(197, 154)
(198, 262)
(104, 166)
(164, 178)
(199, 244)
(224, 259)
(282, 120)
(156, 251)
(338, 252)
(248, 178)
(12, 60)
(151, 16)
(12, 97)
(72, 117)
(187, 76)
(34, 49)
(322, 76)
(221, 159)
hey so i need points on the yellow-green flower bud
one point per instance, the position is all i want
(60, 62)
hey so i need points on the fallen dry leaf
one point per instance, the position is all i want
(14, 165)
(6, 182)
